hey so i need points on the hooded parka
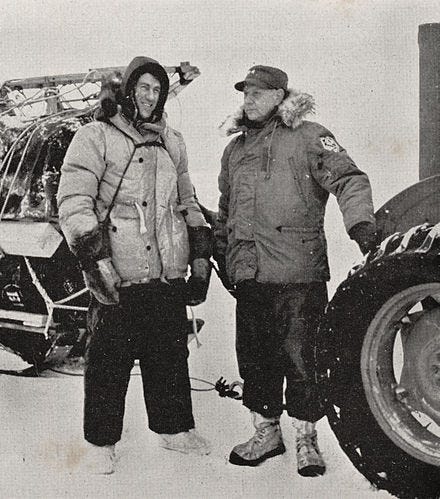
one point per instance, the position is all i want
(155, 203)
(275, 182)
(149, 230)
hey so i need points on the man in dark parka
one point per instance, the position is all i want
(275, 180)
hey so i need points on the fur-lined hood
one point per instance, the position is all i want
(292, 111)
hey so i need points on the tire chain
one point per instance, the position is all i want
(400, 261)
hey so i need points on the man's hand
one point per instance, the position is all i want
(103, 282)
(364, 234)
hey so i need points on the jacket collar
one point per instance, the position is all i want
(291, 112)
(152, 130)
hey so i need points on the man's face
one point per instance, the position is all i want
(146, 94)
(258, 102)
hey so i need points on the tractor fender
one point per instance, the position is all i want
(415, 205)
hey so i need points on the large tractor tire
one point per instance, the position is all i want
(378, 358)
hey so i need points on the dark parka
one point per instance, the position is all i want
(274, 184)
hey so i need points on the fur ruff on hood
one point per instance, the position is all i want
(292, 111)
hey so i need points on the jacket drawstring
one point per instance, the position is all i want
(173, 229)
(269, 153)
(142, 223)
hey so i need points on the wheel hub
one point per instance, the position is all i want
(405, 400)
(420, 377)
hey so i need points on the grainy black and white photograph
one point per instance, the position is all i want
(220, 249)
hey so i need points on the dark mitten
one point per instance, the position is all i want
(364, 234)
(198, 282)
(103, 282)
(200, 243)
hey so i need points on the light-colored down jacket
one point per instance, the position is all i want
(148, 231)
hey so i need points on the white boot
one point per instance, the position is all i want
(308, 455)
(99, 460)
(187, 442)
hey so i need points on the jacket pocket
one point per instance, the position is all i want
(129, 254)
(307, 250)
(292, 254)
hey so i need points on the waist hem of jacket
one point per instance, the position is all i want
(303, 280)
(146, 280)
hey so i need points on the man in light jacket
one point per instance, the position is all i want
(131, 167)
(275, 180)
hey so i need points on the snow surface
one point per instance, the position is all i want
(42, 448)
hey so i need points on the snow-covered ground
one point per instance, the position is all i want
(41, 445)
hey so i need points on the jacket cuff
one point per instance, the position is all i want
(362, 229)
(352, 222)
(200, 242)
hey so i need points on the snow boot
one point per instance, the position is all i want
(187, 442)
(308, 455)
(99, 460)
(267, 442)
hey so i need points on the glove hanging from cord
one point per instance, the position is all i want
(93, 253)
(103, 282)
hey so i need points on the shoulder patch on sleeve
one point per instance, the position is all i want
(330, 143)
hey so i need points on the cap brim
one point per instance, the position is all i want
(239, 86)
(253, 82)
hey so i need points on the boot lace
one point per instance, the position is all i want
(260, 435)
(308, 440)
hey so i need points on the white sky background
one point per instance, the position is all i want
(358, 58)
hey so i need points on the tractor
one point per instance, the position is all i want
(378, 350)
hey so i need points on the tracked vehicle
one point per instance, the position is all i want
(378, 353)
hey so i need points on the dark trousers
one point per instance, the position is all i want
(149, 324)
(276, 329)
